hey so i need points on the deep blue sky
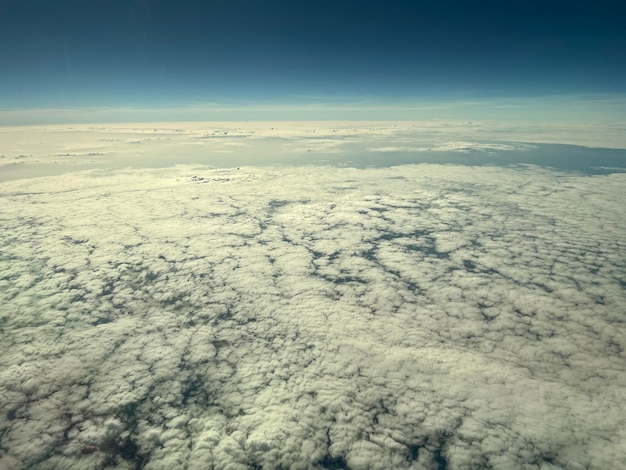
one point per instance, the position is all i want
(167, 53)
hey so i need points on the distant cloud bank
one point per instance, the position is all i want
(577, 109)
(228, 144)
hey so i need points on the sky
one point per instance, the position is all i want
(320, 59)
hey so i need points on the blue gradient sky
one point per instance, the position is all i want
(217, 59)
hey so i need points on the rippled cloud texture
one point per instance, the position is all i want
(418, 316)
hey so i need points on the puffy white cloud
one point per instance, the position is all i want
(418, 316)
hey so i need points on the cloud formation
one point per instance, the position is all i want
(464, 147)
(258, 143)
(419, 316)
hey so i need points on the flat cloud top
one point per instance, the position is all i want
(419, 316)
(231, 143)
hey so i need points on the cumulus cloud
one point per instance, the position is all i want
(418, 316)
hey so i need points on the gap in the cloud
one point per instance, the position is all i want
(340, 152)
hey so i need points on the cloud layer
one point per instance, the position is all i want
(417, 316)
(230, 144)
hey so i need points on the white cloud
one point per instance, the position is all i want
(463, 147)
(232, 144)
(412, 316)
